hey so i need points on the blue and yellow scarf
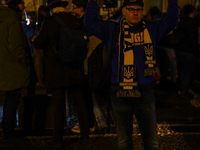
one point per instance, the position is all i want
(128, 75)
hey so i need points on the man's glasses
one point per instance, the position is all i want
(132, 10)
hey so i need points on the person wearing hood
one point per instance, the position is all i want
(15, 63)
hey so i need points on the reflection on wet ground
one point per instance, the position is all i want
(178, 125)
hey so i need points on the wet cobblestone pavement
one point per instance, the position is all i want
(178, 126)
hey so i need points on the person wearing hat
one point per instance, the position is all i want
(58, 77)
(15, 62)
(133, 66)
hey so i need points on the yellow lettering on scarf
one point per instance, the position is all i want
(137, 37)
(132, 93)
(150, 62)
(128, 84)
(141, 37)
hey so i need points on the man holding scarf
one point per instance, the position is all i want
(133, 66)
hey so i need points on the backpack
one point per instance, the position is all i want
(99, 67)
(73, 43)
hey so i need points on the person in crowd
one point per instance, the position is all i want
(29, 32)
(167, 63)
(132, 68)
(15, 62)
(78, 8)
(59, 77)
(31, 19)
(38, 54)
(42, 14)
(153, 13)
(116, 15)
(187, 49)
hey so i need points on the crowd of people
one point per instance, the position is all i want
(178, 52)
(163, 43)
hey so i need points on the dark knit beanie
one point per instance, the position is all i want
(129, 2)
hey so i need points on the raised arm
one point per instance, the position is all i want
(101, 29)
(167, 23)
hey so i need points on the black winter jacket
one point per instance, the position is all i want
(189, 30)
(56, 75)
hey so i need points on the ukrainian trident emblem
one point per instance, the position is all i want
(148, 50)
(149, 55)
(128, 71)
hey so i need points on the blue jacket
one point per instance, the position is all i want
(28, 30)
(29, 33)
(104, 30)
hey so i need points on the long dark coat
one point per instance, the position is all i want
(14, 60)
(56, 74)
